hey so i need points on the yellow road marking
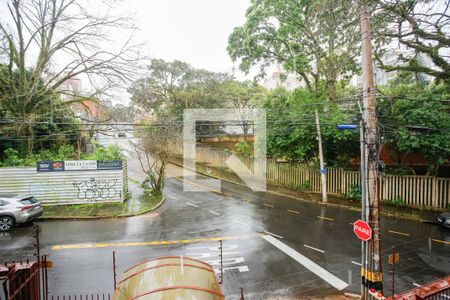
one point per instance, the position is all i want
(293, 211)
(351, 224)
(440, 241)
(325, 218)
(152, 243)
(398, 232)
(268, 205)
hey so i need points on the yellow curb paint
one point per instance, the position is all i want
(325, 218)
(293, 211)
(268, 205)
(399, 233)
(440, 241)
(152, 243)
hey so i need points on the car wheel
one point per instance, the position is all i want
(6, 223)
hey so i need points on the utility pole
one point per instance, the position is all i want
(323, 172)
(372, 274)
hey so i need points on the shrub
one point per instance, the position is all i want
(397, 201)
(12, 158)
(110, 152)
(244, 149)
(306, 186)
(354, 193)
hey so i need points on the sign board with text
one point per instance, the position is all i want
(394, 258)
(50, 166)
(362, 230)
(109, 165)
(78, 165)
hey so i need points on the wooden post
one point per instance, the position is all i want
(114, 270)
(434, 193)
(371, 153)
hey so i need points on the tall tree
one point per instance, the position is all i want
(170, 87)
(420, 26)
(154, 150)
(242, 96)
(415, 120)
(291, 128)
(44, 43)
(315, 39)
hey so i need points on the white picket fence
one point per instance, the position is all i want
(424, 191)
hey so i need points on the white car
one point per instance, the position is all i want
(16, 209)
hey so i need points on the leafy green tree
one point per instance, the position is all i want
(242, 95)
(44, 43)
(33, 122)
(421, 26)
(154, 156)
(316, 39)
(170, 87)
(292, 132)
(416, 121)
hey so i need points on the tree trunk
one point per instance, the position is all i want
(331, 89)
(78, 153)
(30, 139)
(161, 175)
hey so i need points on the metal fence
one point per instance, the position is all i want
(65, 187)
(25, 280)
(423, 191)
(98, 296)
(436, 290)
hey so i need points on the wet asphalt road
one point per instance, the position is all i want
(190, 223)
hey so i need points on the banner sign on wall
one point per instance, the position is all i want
(50, 166)
(109, 165)
(78, 165)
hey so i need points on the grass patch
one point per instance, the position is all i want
(143, 204)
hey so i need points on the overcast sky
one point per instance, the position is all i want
(194, 31)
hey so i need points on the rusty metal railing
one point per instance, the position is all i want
(25, 280)
(436, 290)
(98, 296)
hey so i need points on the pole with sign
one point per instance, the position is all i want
(362, 230)
(394, 258)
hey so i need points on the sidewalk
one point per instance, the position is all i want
(137, 204)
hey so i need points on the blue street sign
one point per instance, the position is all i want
(346, 126)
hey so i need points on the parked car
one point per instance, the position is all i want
(444, 219)
(121, 134)
(17, 209)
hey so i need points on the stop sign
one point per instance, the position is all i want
(362, 230)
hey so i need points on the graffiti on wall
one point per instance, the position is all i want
(45, 190)
(94, 189)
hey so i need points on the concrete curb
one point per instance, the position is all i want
(383, 213)
(158, 205)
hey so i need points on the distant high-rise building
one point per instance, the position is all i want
(275, 80)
